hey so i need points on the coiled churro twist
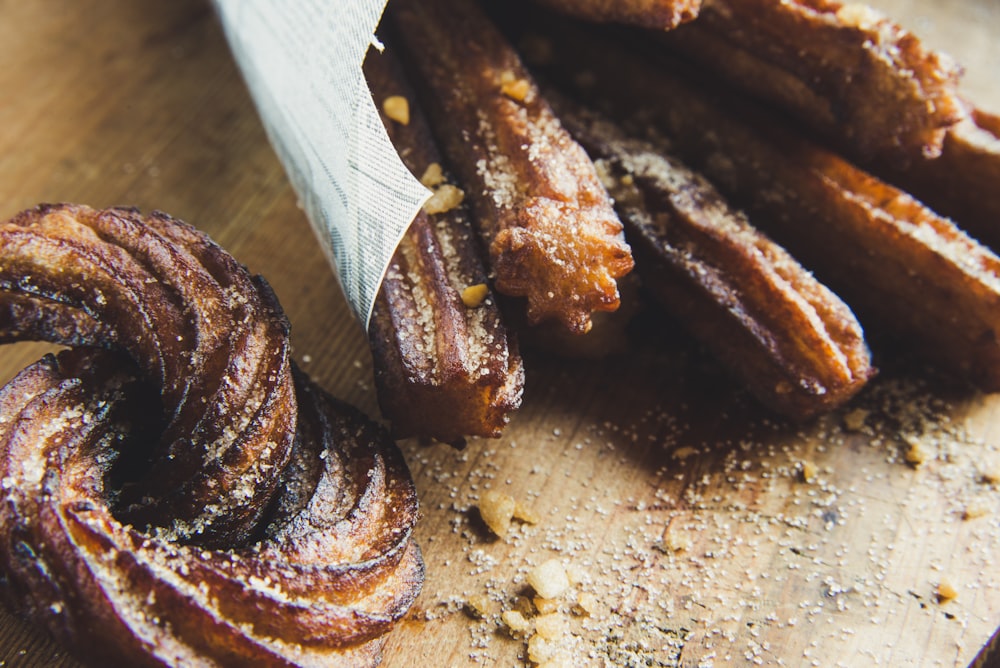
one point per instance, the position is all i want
(273, 525)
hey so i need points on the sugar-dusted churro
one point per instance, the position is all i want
(553, 236)
(841, 68)
(445, 365)
(894, 261)
(792, 342)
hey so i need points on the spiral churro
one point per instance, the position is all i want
(261, 522)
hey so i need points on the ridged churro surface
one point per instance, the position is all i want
(553, 236)
(902, 268)
(185, 498)
(445, 365)
(792, 342)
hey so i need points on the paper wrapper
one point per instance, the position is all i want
(302, 63)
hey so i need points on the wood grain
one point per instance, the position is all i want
(623, 459)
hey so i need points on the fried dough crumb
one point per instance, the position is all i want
(991, 476)
(444, 198)
(915, 454)
(549, 579)
(855, 420)
(474, 295)
(546, 606)
(397, 108)
(551, 626)
(478, 605)
(807, 470)
(513, 87)
(945, 592)
(587, 603)
(684, 452)
(433, 176)
(974, 510)
(675, 542)
(497, 510)
(515, 621)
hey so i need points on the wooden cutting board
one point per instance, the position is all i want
(697, 531)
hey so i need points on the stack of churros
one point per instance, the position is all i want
(775, 166)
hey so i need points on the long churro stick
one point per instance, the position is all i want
(553, 236)
(445, 366)
(894, 261)
(842, 69)
(794, 344)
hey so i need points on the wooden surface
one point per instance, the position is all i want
(623, 460)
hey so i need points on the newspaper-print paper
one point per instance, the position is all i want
(302, 62)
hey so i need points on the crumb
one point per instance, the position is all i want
(525, 514)
(549, 579)
(855, 420)
(807, 470)
(445, 198)
(515, 621)
(684, 452)
(945, 592)
(478, 605)
(587, 603)
(546, 606)
(433, 176)
(497, 510)
(576, 575)
(541, 650)
(551, 626)
(991, 476)
(513, 87)
(474, 295)
(397, 108)
(915, 454)
(975, 509)
(673, 541)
